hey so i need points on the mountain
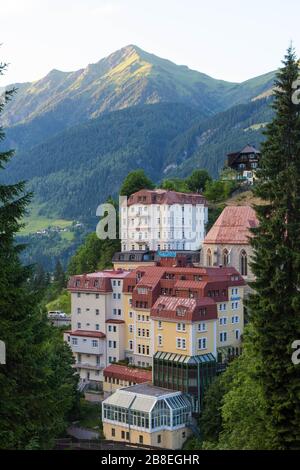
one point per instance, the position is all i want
(79, 168)
(78, 134)
(76, 170)
(126, 78)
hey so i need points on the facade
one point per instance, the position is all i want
(182, 310)
(245, 163)
(118, 376)
(132, 315)
(159, 220)
(189, 374)
(98, 328)
(227, 243)
(130, 260)
(149, 415)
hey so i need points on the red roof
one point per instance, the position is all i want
(192, 309)
(163, 196)
(129, 374)
(233, 226)
(95, 282)
(86, 333)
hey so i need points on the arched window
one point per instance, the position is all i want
(225, 257)
(243, 263)
(208, 258)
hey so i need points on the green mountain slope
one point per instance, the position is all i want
(74, 171)
(79, 168)
(126, 78)
(206, 143)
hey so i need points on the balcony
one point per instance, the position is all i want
(86, 365)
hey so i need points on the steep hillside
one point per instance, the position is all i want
(126, 78)
(79, 168)
(74, 171)
(206, 143)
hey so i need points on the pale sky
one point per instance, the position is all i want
(228, 39)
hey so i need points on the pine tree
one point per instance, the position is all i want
(37, 391)
(275, 304)
(59, 276)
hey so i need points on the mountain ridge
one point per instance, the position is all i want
(125, 78)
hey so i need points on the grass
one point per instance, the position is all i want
(35, 222)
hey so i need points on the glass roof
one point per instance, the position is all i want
(199, 359)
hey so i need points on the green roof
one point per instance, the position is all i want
(199, 359)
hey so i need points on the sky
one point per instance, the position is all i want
(228, 39)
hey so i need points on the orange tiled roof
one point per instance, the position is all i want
(232, 226)
(163, 196)
(86, 333)
(128, 373)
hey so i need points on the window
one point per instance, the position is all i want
(115, 311)
(223, 321)
(113, 432)
(208, 258)
(223, 337)
(130, 314)
(237, 334)
(79, 325)
(234, 305)
(94, 343)
(243, 263)
(97, 311)
(97, 327)
(159, 325)
(180, 343)
(131, 345)
(79, 310)
(160, 340)
(74, 341)
(159, 439)
(222, 307)
(114, 283)
(180, 327)
(235, 319)
(130, 328)
(78, 294)
(202, 342)
(141, 439)
(202, 327)
(123, 434)
(225, 257)
(97, 296)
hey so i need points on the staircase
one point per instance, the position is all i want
(82, 385)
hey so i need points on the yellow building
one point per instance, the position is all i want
(149, 415)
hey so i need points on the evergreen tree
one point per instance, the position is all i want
(135, 181)
(59, 276)
(37, 390)
(197, 180)
(275, 304)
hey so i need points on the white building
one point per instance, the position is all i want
(98, 328)
(163, 220)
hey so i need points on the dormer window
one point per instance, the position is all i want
(96, 283)
(160, 307)
(181, 311)
(77, 283)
